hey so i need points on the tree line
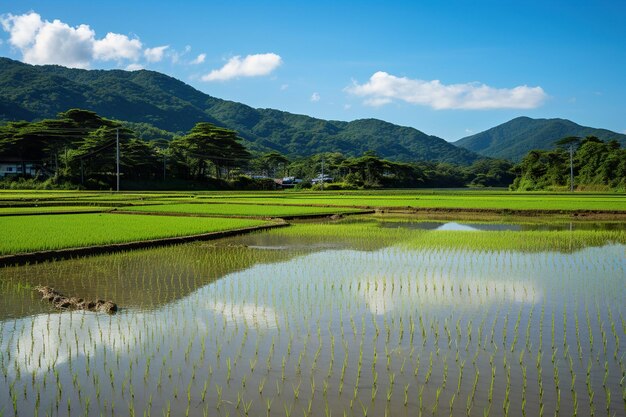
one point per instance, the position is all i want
(591, 163)
(79, 149)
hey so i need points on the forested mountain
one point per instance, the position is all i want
(30, 92)
(514, 139)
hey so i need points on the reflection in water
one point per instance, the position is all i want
(495, 226)
(339, 323)
(457, 226)
(251, 315)
(48, 340)
(139, 279)
(450, 293)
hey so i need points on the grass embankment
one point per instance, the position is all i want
(447, 200)
(526, 241)
(399, 199)
(9, 211)
(244, 210)
(51, 232)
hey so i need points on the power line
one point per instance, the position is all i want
(215, 157)
(103, 147)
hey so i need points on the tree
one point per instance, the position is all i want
(366, 171)
(209, 144)
(49, 139)
(271, 162)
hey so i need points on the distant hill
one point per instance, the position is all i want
(29, 92)
(513, 139)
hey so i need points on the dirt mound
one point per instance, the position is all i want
(75, 303)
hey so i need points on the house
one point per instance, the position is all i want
(17, 167)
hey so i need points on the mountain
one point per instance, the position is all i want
(29, 92)
(513, 139)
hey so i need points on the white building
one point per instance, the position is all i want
(10, 167)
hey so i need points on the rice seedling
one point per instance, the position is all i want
(216, 324)
(248, 210)
(29, 234)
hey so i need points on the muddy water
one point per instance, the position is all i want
(264, 325)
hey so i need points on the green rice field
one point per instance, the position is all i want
(239, 210)
(365, 315)
(60, 231)
(485, 201)
(398, 199)
(49, 209)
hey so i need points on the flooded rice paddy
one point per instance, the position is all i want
(282, 324)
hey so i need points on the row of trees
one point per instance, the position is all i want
(371, 171)
(79, 148)
(590, 162)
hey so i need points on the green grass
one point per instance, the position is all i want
(469, 200)
(238, 209)
(50, 209)
(398, 199)
(35, 233)
(62, 195)
(356, 233)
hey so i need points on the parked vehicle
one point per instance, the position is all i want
(289, 182)
(321, 178)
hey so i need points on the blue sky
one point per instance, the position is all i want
(449, 69)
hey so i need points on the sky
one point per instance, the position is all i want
(447, 68)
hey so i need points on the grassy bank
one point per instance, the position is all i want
(487, 200)
(51, 232)
(443, 200)
(370, 234)
(222, 209)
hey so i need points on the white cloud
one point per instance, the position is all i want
(347, 106)
(250, 66)
(284, 87)
(43, 42)
(383, 88)
(315, 97)
(23, 29)
(134, 67)
(115, 47)
(199, 59)
(155, 54)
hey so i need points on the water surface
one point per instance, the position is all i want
(264, 324)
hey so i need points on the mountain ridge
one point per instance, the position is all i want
(515, 138)
(29, 92)
(35, 92)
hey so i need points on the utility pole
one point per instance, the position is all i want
(570, 141)
(82, 175)
(322, 172)
(571, 167)
(117, 156)
(56, 167)
(164, 156)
